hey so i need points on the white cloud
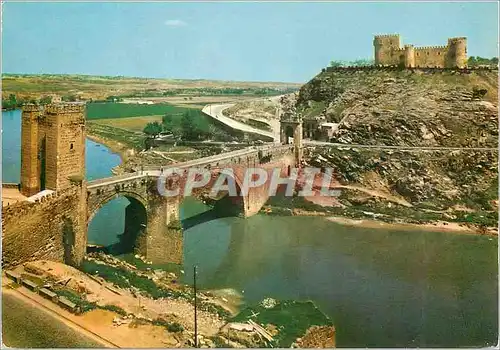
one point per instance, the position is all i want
(175, 23)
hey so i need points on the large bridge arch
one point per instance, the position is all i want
(97, 200)
(135, 219)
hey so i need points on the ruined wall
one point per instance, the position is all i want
(53, 228)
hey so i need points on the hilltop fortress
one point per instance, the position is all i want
(388, 51)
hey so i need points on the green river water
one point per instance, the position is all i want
(382, 288)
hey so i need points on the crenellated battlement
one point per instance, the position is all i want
(438, 47)
(63, 108)
(22, 208)
(380, 36)
(30, 107)
(457, 39)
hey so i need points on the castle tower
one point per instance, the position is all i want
(65, 144)
(409, 56)
(457, 53)
(52, 146)
(30, 151)
(291, 127)
(384, 46)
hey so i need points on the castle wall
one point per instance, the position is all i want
(52, 229)
(434, 56)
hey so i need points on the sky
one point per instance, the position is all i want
(251, 41)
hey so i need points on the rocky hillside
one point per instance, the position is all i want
(417, 108)
(404, 108)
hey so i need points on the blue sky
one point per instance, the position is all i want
(288, 42)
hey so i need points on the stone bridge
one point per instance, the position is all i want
(152, 224)
(51, 222)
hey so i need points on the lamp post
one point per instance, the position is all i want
(195, 307)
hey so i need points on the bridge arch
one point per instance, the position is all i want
(135, 219)
(94, 205)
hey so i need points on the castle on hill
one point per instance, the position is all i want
(388, 51)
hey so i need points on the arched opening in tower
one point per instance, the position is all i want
(288, 134)
(41, 162)
(118, 227)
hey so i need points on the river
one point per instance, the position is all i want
(381, 287)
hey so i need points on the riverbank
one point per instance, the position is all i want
(439, 226)
(397, 218)
(123, 305)
(115, 146)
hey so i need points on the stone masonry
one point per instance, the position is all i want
(388, 51)
(52, 146)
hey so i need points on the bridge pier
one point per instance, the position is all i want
(162, 240)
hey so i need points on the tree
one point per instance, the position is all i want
(45, 100)
(68, 98)
(336, 64)
(190, 130)
(362, 62)
(153, 129)
(167, 122)
(475, 61)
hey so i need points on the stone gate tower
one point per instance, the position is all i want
(52, 146)
(291, 127)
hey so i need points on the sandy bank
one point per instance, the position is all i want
(440, 226)
(115, 146)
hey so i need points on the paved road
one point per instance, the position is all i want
(215, 111)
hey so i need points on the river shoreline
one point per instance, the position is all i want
(439, 226)
(116, 147)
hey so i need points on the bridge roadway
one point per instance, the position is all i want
(156, 171)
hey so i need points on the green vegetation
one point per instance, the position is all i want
(82, 304)
(355, 63)
(475, 61)
(173, 327)
(153, 129)
(126, 137)
(124, 278)
(13, 102)
(45, 100)
(292, 318)
(105, 110)
(115, 309)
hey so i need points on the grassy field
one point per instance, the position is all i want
(113, 110)
(132, 123)
(99, 87)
